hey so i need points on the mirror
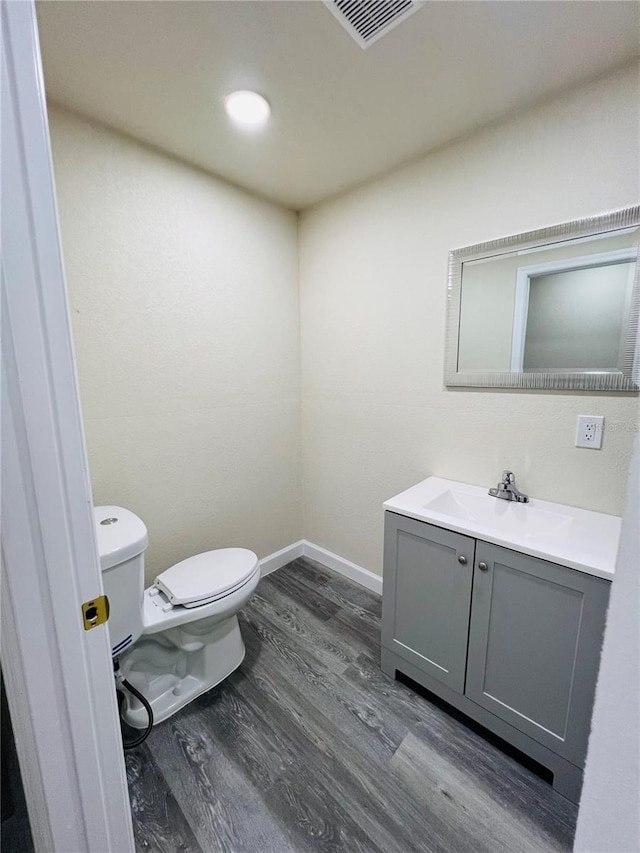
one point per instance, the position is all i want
(555, 308)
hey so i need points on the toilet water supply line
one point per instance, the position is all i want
(121, 682)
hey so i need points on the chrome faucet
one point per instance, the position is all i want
(507, 489)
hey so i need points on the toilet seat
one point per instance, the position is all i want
(207, 577)
(160, 614)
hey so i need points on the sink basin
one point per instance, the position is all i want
(573, 537)
(525, 520)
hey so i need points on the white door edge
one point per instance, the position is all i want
(58, 676)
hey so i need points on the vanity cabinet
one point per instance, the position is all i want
(426, 614)
(534, 646)
(511, 640)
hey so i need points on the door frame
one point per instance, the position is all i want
(58, 677)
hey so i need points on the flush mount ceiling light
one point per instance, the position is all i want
(247, 109)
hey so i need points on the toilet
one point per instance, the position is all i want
(179, 637)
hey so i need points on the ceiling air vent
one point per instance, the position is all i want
(367, 20)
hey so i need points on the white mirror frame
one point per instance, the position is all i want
(625, 380)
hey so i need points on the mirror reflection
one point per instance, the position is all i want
(559, 308)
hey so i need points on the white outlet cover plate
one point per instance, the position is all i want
(589, 429)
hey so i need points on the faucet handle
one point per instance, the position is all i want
(508, 477)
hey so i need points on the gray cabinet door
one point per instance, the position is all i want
(427, 597)
(534, 646)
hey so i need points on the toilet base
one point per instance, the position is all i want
(174, 667)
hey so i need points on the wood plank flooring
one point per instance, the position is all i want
(309, 747)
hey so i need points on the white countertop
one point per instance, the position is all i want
(577, 538)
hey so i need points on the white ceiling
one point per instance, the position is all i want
(341, 115)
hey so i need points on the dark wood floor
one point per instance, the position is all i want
(308, 746)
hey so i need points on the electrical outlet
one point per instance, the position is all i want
(589, 431)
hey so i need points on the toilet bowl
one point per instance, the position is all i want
(179, 637)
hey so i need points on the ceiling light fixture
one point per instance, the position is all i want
(247, 109)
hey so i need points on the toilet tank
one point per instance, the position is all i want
(122, 541)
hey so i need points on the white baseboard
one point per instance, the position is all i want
(343, 567)
(337, 564)
(280, 558)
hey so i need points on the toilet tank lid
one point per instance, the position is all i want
(121, 535)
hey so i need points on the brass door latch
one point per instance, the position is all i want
(95, 612)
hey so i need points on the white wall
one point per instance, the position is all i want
(609, 816)
(376, 418)
(184, 297)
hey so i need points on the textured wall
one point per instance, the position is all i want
(376, 418)
(184, 300)
(609, 817)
